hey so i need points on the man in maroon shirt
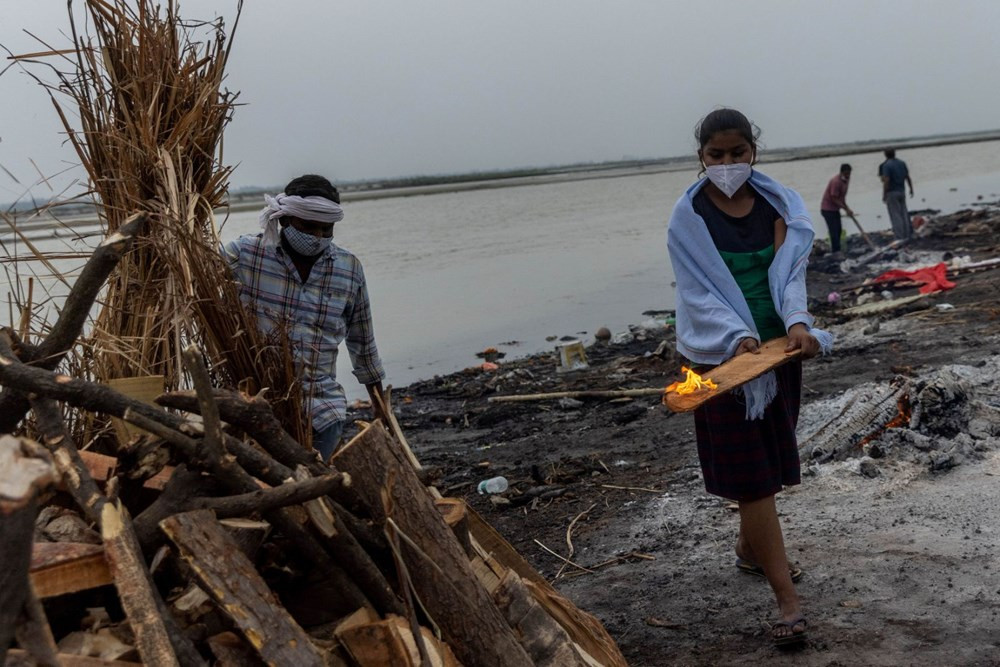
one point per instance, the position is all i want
(834, 199)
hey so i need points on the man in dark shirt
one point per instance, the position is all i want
(895, 175)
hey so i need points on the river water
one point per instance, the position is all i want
(450, 274)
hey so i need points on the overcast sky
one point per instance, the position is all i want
(367, 89)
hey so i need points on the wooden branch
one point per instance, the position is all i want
(735, 372)
(230, 578)
(135, 586)
(25, 472)
(263, 500)
(186, 491)
(68, 326)
(444, 581)
(585, 393)
(254, 417)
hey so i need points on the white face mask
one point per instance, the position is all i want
(729, 177)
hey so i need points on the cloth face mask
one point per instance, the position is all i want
(729, 177)
(306, 244)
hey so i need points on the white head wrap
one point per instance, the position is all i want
(317, 209)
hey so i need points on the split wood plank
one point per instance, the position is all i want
(58, 568)
(542, 637)
(735, 372)
(582, 627)
(233, 582)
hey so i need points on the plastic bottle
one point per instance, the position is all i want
(493, 485)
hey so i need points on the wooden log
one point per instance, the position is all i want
(583, 393)
(68, 326)
(135, 586)
(438, 567)
(233, 582)
(543, 638)
(58, 568)
(735, 372)
(25, 472)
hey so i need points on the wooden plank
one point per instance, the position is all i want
(737, 371)
(58, 568)
(142, 388)
(883, 306)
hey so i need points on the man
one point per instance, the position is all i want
(834, 199)
(294, 276)
(894, 174)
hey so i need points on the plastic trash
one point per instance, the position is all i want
(833, 297)
(886, 294)
(492, 485)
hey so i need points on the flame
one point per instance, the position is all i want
(900, 420)
(691, 384)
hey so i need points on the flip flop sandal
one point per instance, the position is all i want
(758, 571)
(795, 637)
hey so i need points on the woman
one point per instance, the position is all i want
(739, 243)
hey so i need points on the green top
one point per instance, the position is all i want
(750, 271)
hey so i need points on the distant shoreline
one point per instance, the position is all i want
(387, 188)
(621, 169)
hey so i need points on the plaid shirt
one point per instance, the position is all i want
(331, 306)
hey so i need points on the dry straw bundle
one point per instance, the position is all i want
(146, 92)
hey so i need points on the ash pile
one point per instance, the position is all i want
(940, 420)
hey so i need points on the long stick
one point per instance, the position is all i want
(863, 234)
(614, 393)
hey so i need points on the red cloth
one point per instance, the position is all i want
(934, 278)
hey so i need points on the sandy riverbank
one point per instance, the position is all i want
(896, 535)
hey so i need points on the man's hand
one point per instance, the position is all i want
(799, 338)
(377, 396)
(911, 193)
(747, 345)
(850, 213)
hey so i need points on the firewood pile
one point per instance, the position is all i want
(228, 542)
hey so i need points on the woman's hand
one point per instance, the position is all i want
(747, 345)
(799, 338)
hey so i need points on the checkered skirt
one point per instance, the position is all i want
(745, 459)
